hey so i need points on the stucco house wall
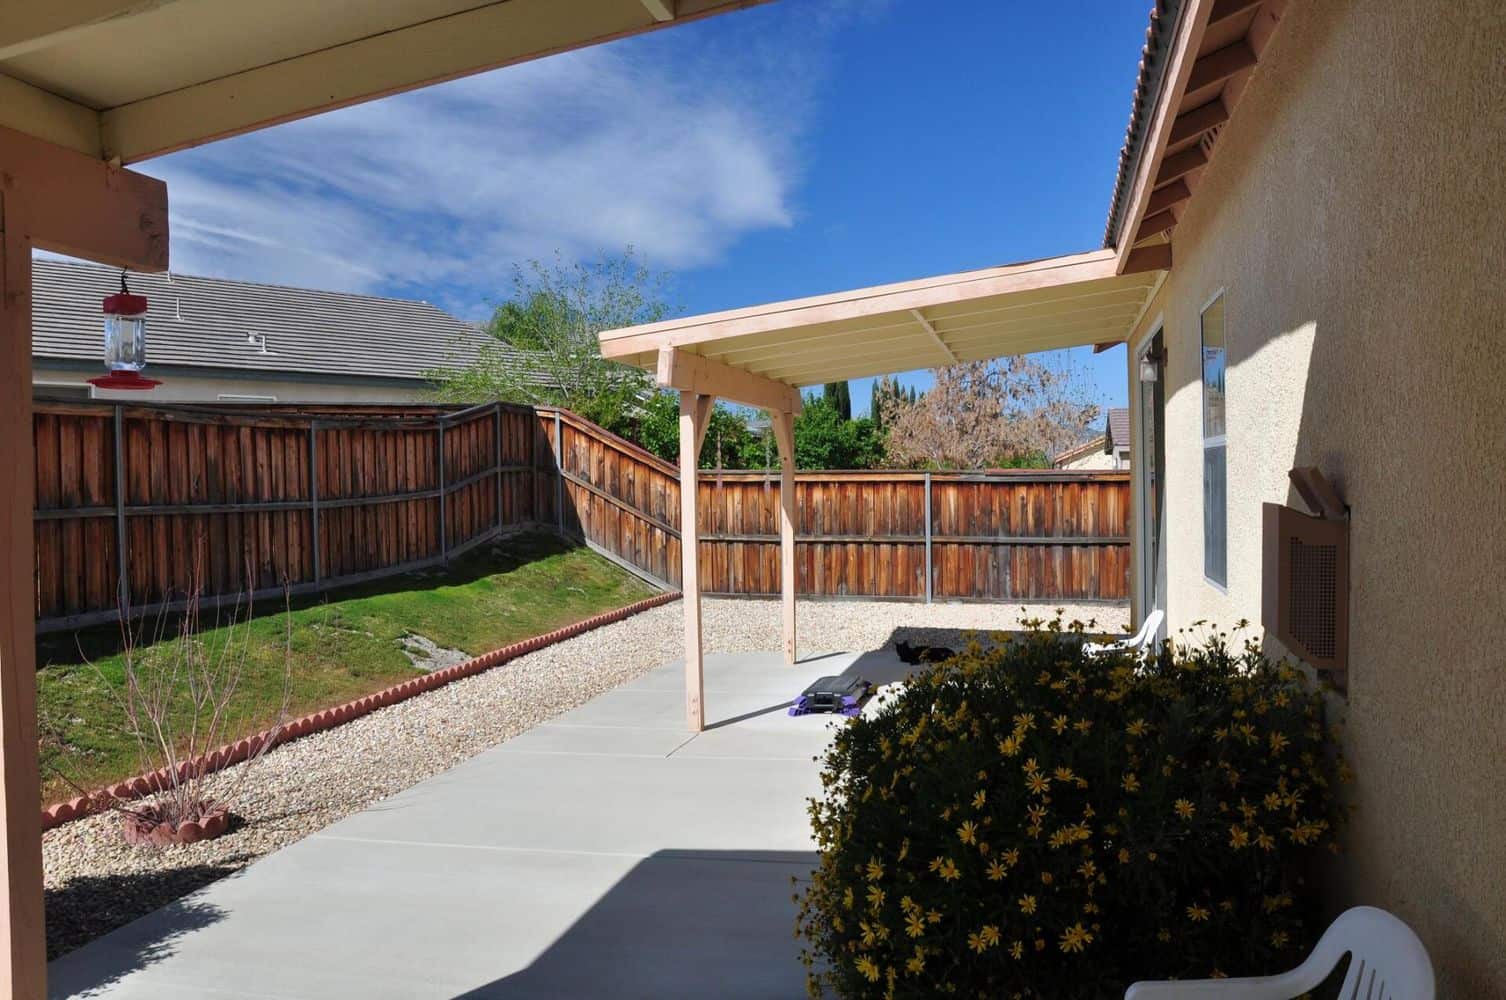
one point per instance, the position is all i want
(1353, 217)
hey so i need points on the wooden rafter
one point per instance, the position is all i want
(1216, 67)
(1156, 257)
(660, 10)
(925, 325)
(1181, 165)
(1163, 198)
(1198, 121)
(1154, 225)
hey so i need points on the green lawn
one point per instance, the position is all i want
(344, 644)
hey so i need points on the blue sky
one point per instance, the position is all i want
(801, 147)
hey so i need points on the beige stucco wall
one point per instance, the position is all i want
(178, 388)
(1354, 213)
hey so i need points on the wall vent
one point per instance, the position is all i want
(1305, 583)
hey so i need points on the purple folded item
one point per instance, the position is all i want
(835, 694)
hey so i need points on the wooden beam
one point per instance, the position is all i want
(1215, 67)
(481, 37)
(23, 960)
(660, 10)
(1154, 225)
(1151, 258)
(925, 325)
(49, 117)
(1194, 123)
(1106, 346)
(693, 373)
(703, 407)
(784, 434)
(691, 411)
(1163, 198)
(858, 304)
(80, 206)
(1181, 164)
(27, 26)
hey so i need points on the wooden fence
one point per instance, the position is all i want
(1007, 535)
(231, 502)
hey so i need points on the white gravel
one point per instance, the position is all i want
(96, 882)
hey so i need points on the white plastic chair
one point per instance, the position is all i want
(1388, 963)
(1135, 643)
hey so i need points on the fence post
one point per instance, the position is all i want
(559, 468)
(444, 535)
(497, 434)
(314, 496)
(122, 584)
(928, 538)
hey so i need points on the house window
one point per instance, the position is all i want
(231, 397)
(1215, 447)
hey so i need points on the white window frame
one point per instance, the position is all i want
(89, 392)
(1217, 440)
(236, 397)
(1145, 573)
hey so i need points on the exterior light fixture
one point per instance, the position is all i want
(125, 341)
(1150, 366)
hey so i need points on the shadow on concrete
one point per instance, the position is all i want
(679, 924)
(88, 907)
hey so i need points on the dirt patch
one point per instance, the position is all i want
(427, 655)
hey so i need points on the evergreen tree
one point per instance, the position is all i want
(840, 396)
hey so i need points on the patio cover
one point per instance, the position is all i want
(761, 356)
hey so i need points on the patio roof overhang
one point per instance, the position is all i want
(130, 79)
(970, 316)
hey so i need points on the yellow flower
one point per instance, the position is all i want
(874, 870)
(979, 797)
(1075, 938)
(1017, 950)
(1163, 935)
(1197, 914)
(1011, 857)
(916, 963)
(996, 871)
(1038, 784)
(1278, 743)
(1087, 870)
(1124, 855)
(1009, 746)
(990, 934)
(915, 925)
(949, 871)
(868, 969)
(1238, 837)
(875, 897)
(933, 917)
(1184, 808)
(975, 942)
(1265, 841)
(1131, 783)
(1027, 904)
(1278, 939)
(1059, 724)
(1137, 728)
(1083, 725)
(1065, 774)
(967, 832)
(1047, 878)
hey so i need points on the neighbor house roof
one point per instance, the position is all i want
(129, 79)
(1116, 432)
(1088, 447)
(251, 328)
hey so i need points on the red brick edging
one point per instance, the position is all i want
(235, 753)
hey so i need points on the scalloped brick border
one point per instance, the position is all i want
(235, 753)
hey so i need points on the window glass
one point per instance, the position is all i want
(1215, 447)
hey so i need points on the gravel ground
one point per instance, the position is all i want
(95, 882)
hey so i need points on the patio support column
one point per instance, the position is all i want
(60, 200)
(695, 417)
(784, 433)
(24, 962)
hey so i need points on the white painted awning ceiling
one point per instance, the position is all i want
(970, 316)
(131, 79)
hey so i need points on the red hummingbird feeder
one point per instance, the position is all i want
(125, 341)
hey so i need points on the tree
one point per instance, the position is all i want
(730, 442)
(886, 392)
(546, 351)
(824, 439)
(1010, 411)
(841, 397)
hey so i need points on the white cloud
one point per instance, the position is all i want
(669, 146)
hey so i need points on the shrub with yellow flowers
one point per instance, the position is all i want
(1026, 820)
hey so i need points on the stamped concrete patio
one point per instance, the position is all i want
(605, 853)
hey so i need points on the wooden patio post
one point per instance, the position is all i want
(24, 967)
(784, 433)
(60, 200)
(695, 414)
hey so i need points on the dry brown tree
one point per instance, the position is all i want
(982, 414)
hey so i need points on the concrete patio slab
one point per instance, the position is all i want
(607, 853)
